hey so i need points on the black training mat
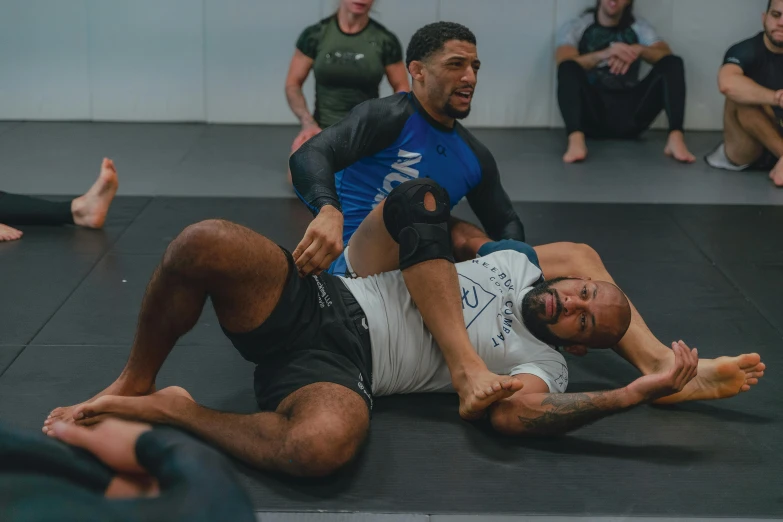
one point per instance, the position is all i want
(708, 275)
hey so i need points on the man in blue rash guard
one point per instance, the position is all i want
(345, 171)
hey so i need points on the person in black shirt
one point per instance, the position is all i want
(751, 78)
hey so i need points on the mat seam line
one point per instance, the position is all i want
(79, 284)
(726, 276)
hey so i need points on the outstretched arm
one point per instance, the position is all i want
(532, 411)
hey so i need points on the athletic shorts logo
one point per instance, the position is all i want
(324, 300)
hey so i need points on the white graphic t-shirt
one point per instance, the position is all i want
(406, 358)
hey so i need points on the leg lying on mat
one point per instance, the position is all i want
(313, 431)
(88, 210)
(717, 378)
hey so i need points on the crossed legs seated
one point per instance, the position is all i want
(312, 432)
(749, 133)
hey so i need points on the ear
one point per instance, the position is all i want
(416, 69)
(577, 349)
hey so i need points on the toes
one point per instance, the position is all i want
(751, 382)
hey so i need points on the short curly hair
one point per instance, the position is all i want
(432, 37)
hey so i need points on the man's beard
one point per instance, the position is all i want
(534, 312)
(452, 112)
(776, 43)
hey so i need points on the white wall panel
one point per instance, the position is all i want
(249, 45)
(226, 60)
(702, 31)
(514, 44)
(147, 60)
(43, 59)
(403, 18)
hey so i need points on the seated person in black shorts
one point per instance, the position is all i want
(118, 471)
(325, 346)
(599, 56)
(751, 78)
(88, 211)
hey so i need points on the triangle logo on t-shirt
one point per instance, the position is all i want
(474, 299)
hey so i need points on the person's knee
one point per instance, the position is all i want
(416, 215)
(672, 62)
(750, 116)
(323, 445)
(567, 69)
(194, 246)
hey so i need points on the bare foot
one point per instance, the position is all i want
(577, 148)
(677, 149)
(480, 388)
(721, 378)
(114, 442)
(90, 209)
(9, 234)
(777, 174)
(149, 408)
(66, 413)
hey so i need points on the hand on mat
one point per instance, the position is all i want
(670, 381)
(322, 243)
(113, 442)
(479, 388)
(9, 234)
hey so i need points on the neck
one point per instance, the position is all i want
(421, 96)
(772, 48)
(608, 21)
(351, 23)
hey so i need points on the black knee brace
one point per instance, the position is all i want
(423, 235)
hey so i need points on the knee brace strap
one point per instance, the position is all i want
(422, 234)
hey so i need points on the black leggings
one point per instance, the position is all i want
(602, 113)
(24, 210)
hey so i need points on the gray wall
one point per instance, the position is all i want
(225, 60)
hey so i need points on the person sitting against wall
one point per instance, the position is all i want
(751, 78)
(88, 210)
(349, 54)
(599, 90)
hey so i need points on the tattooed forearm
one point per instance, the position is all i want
(561, 413)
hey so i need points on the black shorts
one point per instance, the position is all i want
(316, 333)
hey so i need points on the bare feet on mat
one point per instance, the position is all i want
(149, 408)
(9, 234)
(479, 388)
(677, 149)
(118, 387)
(90, 209)
(721, 378)
(577, 148)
